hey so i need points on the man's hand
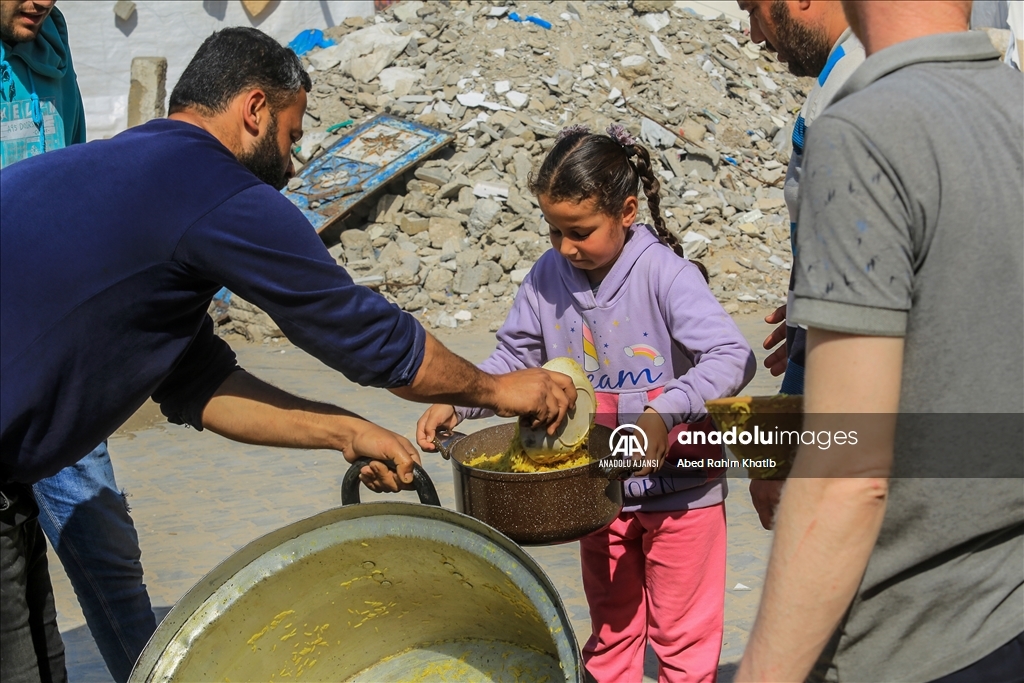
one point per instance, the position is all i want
(776, 362)
(438, 416)
(541, 396)
(371, 441)
(765, 495)
(657, 439)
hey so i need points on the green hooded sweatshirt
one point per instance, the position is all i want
(40, 104)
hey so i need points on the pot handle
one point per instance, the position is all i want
(445, 441)
(420, 480)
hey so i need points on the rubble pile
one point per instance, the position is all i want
(451, 240)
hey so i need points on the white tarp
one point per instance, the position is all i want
(103, 45)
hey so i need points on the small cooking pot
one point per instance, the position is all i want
(533, 508)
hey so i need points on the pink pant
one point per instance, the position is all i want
(657, 576)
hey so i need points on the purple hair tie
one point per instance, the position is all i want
(574, 129)
(618, 132)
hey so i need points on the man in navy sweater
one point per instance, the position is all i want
(110, 253)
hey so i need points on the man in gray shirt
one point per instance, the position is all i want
(901, 558)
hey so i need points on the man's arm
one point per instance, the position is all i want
(261, 247)
(443, 377)
(832, 506)
(249, 410)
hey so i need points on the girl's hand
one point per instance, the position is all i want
(437, 416)
(657, 439)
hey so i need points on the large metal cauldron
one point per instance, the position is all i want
(384, 591)
(534, 508)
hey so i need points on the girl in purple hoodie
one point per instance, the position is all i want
(621, 299)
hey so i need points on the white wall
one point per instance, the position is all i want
(103, 46)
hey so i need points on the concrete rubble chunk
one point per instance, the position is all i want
(469, 280)
(438, 280)
(659, 47)
(491, 189)
(767, 83)
(413, 224)
(357, 244)
(444, 229)
(124, 9)
(655, 135)
(645, 6)
(453, 187)
(468, 258)
(417, 202)
(509, 257)
(517, 99)
(517, 276)
(443, 319)
(451, 248)
(434, 176)
(473, 157)
(694, 131)
(634, 66)
(654, 22)
(519, 204)
(466, 202)
(362, 54)
(485, 213)
(522, 166)
(419, 301)
(393, 76)
(147, 94)
(406, 11)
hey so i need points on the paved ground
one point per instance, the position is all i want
(197, 498)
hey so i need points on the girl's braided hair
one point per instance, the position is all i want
(607, 168)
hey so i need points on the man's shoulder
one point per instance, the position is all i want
(186, 153)
(925, 99)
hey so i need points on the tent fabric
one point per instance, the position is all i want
(104, 45)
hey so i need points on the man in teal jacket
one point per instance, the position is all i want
(81, 509)
(40, 105)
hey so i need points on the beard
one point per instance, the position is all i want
(805, 49)
(265, 160)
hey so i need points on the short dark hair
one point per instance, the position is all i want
(232, 61)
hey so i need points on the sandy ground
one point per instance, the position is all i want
(197, 497)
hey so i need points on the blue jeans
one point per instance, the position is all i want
(86, 518)
(793, 381)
